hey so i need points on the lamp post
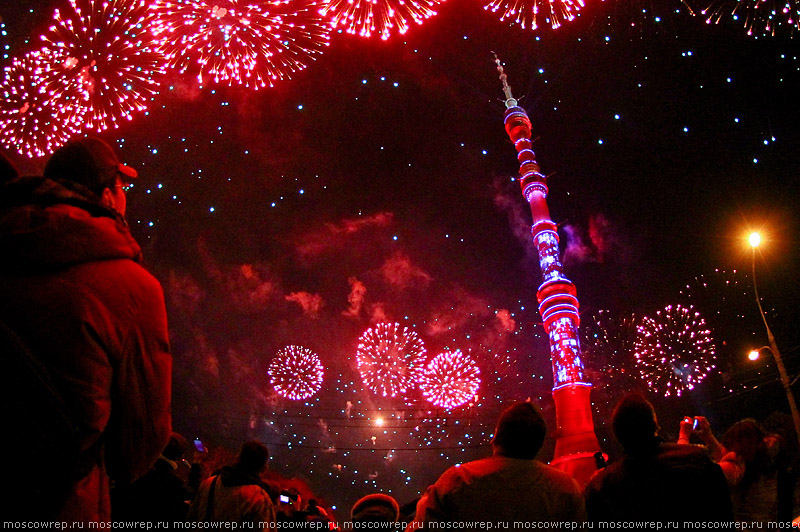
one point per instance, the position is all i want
(755, 240)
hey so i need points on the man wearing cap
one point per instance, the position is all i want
(85, 310)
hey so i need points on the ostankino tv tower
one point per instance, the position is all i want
(576, 443)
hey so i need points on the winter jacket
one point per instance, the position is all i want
(670, 482)
(234, 496)
(72, 288)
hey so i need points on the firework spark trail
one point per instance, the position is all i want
(39, 110)
(296, 373)
(674, 350)
(608, 343)
(725, 298)
(382, 17)
(450, 379)
(251, 44)
(528, 13)
(389, 358)
(759, 17)
(107, 48)
(300, 32)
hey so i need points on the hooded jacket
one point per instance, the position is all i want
(72, 288)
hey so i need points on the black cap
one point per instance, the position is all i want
(90, 162)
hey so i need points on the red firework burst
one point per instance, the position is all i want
(240, 42)
(383, 17)
(528, 13)
(389, 358)
(39, 110)
(675, 350)
(450, 379)
(109, 50)
(296, 372)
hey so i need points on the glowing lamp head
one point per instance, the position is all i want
(754, 354)
(754, 239)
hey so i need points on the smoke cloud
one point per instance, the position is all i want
(310, 303)
(401, 273)
(355, 299)
(335, 235)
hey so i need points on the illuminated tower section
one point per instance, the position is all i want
(576, 442)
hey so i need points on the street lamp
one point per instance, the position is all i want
(755, 240)
(755, 354)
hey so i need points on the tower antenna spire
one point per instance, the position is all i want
(576, 443)
(510, 100)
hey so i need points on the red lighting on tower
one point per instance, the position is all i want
(576, 443)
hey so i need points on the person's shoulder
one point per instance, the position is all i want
(255, 492)
(465, 471)
(142, 278)
(683, 453)
(205, 485)
(130, 280)
(557, 478)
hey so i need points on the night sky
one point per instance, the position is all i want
(378, 184)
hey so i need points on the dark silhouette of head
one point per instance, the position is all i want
(375, 508)
(176, 448)
(746, 439)
(8, 170)
(634, 423)
(520, 431)
(253, 457)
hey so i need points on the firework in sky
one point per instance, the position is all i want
(759, 17)
(726, 300)
(106, 47)
(253, 43)
(674, 350)
(528, 14)
(296, 373)
(389, 358)
(381, 17)
(608, 342)
(299, 34)
(450, 379)
(39, 110)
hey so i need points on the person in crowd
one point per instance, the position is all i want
(290, 506)
(755, 464)
(700, 427)
(781, 423)
(237, 494)
(8, 170)
(86, 329)
(751, 465)
(375, 508)
(510, 485)
(162, 494)
(317, 513)
(655, 480)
